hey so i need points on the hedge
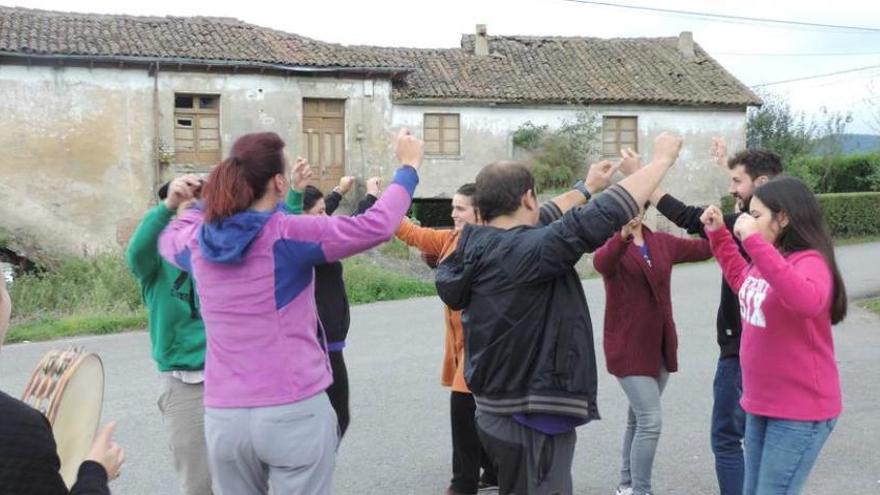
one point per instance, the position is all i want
(838, 174)
(847, 214)
(851, 214)
(432, 212)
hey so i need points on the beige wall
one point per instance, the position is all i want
(78, 143)
(486, 136)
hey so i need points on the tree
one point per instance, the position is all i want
(775, 126)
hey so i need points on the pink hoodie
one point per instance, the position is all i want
(787, 349)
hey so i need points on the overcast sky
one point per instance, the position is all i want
(441, 23)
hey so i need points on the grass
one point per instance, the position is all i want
(366, 283)
(872, 305)
(100, 296)
(395, 248)
(849, 241)
(81, 324)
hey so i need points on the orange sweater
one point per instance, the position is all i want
(441, 243)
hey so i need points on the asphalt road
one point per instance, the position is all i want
(398, 442)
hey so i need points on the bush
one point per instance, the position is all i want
(851, 214)
(847, 214)
(558, 154)
(432, 212)
(366, 282)
(838, 174)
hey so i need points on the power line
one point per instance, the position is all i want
(826, 54)
(817, 76)
(729, 18)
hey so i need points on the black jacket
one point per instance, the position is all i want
(727, 323)
(528, 335)
(28, 457)
(330, 295)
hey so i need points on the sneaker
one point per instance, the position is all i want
(624, 490)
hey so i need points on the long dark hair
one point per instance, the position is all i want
(806, 229)
(241, 179)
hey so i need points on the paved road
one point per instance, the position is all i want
(398, 442)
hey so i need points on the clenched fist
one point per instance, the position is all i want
(712, 219)
(666, 148)
(409, 149)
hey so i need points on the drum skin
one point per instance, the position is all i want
(67, 386)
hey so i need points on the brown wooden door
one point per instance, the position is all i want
(324, 140)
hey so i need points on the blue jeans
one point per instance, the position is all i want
(780, 453)
(728, 427)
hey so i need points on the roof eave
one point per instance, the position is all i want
(212, 63)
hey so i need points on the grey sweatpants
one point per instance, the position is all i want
(291, 447)
(183, 415)
(643, 424)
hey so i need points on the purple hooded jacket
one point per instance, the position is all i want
(255, 279)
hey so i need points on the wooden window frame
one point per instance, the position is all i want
(442, 130)
(616, 130)
(196, 113)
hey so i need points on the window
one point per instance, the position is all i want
(197, 129)
(442, 134)
(619, 133)
(324, 139)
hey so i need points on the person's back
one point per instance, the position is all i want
(529, 356)
(266, 362)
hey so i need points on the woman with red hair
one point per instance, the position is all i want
(268, 420)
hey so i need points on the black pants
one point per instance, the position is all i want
(338, 391)
(529, 462)
(468, 455)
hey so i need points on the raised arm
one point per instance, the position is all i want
(174, 240)
(733, 265)
(606, 259)
(428, 241)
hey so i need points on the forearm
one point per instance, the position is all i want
(295, 201)
(641, 185)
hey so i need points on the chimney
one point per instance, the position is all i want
(686, 45)
(481, 41)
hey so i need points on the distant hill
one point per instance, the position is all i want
(852, 143)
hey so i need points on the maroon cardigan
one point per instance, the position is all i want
(638, 305)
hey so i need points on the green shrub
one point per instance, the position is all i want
(432, 212)
(848, 215)
(366, 282)
(838, 174)
(851, 214)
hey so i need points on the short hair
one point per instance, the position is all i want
(311, 195)
(757, 162)
(469, 190)
(500, 187)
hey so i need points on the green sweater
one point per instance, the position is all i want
(177, 332)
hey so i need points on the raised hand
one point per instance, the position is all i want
(599, 175)
(719, 151)
(345, 184)
(712, 218)
(374, 186)
(301, 174)
(745, 226)
(666, 148)
(628, 229)
(409, 149)
(182, 189)
(630, 162)
(107, 453)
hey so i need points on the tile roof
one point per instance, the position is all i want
(196, 39)
(518, 69)
(556, 70)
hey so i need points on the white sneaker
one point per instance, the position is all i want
(624, 490)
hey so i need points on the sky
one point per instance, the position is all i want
(756, 53)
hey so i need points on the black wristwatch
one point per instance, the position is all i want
(582, 187)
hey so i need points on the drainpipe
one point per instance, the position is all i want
(157, 167)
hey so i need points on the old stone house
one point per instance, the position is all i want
(100, 109)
